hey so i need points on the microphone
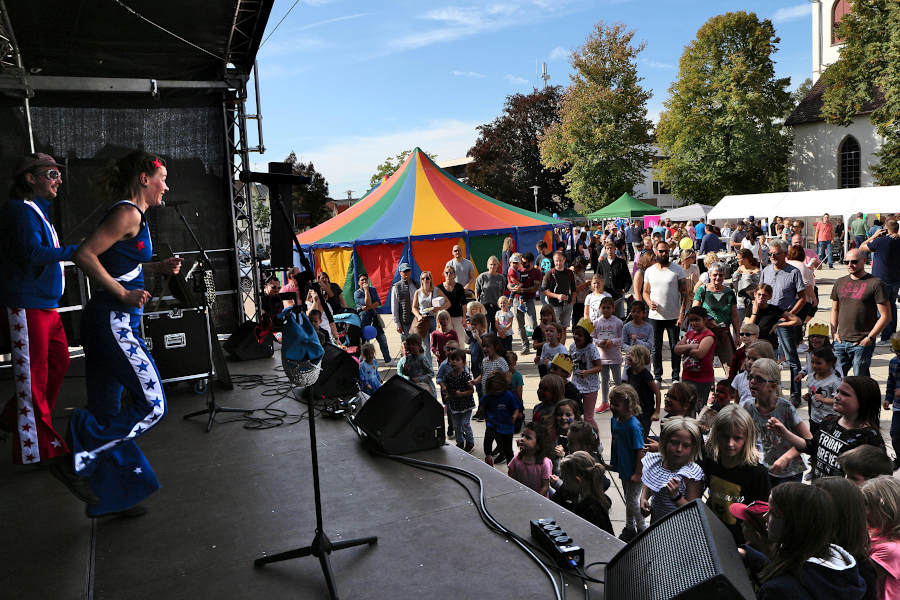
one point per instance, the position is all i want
(174, 202)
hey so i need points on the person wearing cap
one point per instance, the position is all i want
(31, 284)
(403, 295)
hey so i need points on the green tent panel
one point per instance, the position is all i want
(482, 247)
(625, 206)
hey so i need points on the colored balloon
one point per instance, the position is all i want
(369, 332)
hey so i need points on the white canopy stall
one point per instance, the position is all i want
(844, 202)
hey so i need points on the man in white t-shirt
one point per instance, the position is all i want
(465, 270)
(665, 287)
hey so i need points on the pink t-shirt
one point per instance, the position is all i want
(824, 231)
(533, 474)
(886, 554)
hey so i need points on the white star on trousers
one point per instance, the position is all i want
(138, 470)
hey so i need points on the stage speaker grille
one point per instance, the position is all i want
(688, 554)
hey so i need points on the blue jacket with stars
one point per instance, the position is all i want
(30, 273)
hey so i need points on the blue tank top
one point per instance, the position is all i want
(123, 260)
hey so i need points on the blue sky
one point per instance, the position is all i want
(346, 83)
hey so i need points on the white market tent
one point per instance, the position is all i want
(844, 202)
(691, 212)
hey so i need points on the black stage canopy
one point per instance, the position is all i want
(103, 38)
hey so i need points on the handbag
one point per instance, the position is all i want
(299, 340)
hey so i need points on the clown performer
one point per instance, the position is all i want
(115, 257)
(31, 284)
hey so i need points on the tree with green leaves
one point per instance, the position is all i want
(390, 166)
(312, 197)
(721, 130)
(603, 138)
(869, 66)
(799, 94)
(507, 157)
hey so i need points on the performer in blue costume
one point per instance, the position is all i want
(115, 257)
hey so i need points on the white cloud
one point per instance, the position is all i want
(515, 79)
(559, 53)
(348, 163)
(334, 20)
(473, 74)
(791, 13)
(655, 64)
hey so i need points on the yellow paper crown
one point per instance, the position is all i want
(586, 324)
(563, 362)
(818, 329)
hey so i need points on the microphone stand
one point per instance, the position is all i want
(211, 407)
(321, 546)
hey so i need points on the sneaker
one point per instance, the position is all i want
(628, 534)
(79, 486)
(526, 350)
(468, 447)
(523, 308)
(450, 434)
(489, 460)
(796, 401)
(130, 513)
(390, 363)
(603, 407)
(883, 343)
(479, 417)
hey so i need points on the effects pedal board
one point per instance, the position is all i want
(551, 537)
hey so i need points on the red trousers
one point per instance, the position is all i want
(40, 359)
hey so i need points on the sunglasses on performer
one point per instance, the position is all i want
(51, 174)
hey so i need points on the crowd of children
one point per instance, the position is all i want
(736, 441)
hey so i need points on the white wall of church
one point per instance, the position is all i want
(814, 164)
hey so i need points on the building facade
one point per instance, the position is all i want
(829, 156)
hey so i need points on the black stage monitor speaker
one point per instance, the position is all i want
(340, 374)
(687, 554)
(401, 417)
(250, 341)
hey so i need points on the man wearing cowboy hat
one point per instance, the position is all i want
(31, 284)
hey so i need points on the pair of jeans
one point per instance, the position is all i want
(563, 314)
(383, 344)
(661, 326)
(892, 290)
(504, 442)
(702, 392)
(634, 520)
(788, 338)
(463, 428)
(855, 356)
(825, 252)
(520, 320)
(860, 240)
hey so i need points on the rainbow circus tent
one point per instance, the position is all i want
(416, 216)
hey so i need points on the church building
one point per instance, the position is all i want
(829, 156)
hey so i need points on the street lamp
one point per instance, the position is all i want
(535, 188)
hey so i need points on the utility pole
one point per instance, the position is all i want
(544, 74)
(535, 188)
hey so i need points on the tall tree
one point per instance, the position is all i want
(799, 94)
(508, 159)
(722, 128)
(869, 65)
(603, 137)
(310, 198)
(390, 166)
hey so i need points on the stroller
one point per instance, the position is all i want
(349, 328)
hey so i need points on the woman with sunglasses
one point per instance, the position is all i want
(115, 257)
(779, 455)
(456, 294)
(31, 284)
(425, 309)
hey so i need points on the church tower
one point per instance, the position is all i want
(828, 156)
(826, 14)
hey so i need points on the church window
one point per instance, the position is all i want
(840, 8)
(849, 161)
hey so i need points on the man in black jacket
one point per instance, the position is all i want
(616, 276)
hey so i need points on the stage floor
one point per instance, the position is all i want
(234, 495)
